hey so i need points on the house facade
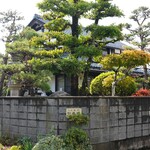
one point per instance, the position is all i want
(62, 82)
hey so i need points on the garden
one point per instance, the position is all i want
(32, 58)
(75, 138)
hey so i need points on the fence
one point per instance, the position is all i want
(116, 122)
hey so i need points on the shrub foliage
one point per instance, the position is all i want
(101, 85)
(142, 92)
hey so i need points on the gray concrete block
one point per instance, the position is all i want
(6, 114)
(14, 129)
(137, 127)
(32, 102)
(96, 110)
(122, 129)
(31, 123)
(114, 130)
(22, 115)
(14, 102)
(22, 122)
(63, 125)
(137, 120)
(22, 109)
(113, 137)
(95, 132)
(62, 110)
(5, 121)
(137, 133)
(64, 102)
(130, 114)
(41, 116)
(105, 124)
(52, 126)
(52, 102)
(122, 115)
(130, 128)
(145, 132)
(114, 116)
(145, 126)
(52, 110)
(114, 109)
(130, 134)
(32, 116)
(6, 102)
(122, 122)
(14, 122)
(62, 118)
(6, 108)
(113, 123)
(14, 115)
(122, 135)
(103, 102)
(122, 109)
(41, 124)
(95, 102)
(32, 131)
(32, 108)
(41, 102)
(95, 124)
(22, 130)
(14, 108)
(41, 131)
(104, 109)
(42, 109)
(52, 117)
(130, 121)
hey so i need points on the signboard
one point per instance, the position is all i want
(70, 111)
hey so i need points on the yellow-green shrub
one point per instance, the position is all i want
(101, 85)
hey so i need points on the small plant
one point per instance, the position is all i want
(7, 140)
(51, 142)
(1, 146)
(26, 143)
(77, 139)
(14, 147)
(78, 119)
(142, 92)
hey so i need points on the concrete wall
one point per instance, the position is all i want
(115, 122)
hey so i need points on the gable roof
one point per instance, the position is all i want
(37, 23)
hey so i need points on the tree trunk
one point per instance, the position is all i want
(84, 84)
(74, 85)
(145, 72)
(113, 89)
(75, 33)
(2, 79)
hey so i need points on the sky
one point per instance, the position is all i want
(28, 8)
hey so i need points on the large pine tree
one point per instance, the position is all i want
(79, 44)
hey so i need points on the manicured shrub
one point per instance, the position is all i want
(142, 92)
(96, 86)
(126, 87)
(102, 84)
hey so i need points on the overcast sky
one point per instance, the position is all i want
(28, 8)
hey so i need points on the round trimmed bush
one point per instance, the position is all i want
(102, 84)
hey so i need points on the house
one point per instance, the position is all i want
(63, 83)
